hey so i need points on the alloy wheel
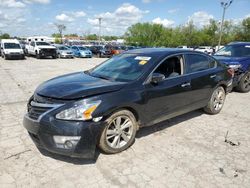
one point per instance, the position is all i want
(219, 99)
(119, 132)
(247, 81)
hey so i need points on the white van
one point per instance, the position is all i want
(11, 48)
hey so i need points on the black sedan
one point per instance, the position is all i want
(100, 51)
(105, 106)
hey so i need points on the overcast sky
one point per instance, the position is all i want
(37, 17)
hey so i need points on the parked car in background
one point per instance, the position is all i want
(11, 48)
(186, 47)
(205, 49)
(115, 50)
(236, 55)
(80, 51)
(218, 48)
(100, 51)
(130, 48)
(105, 106)
(64, 52)
(23, 44)
(41, 49)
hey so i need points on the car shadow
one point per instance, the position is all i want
(145, 131)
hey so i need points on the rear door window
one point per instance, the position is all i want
(197, 62)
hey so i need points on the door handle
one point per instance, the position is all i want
(213, 76)
(185, 84)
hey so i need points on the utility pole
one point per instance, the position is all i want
(224, 5)
(100, 25)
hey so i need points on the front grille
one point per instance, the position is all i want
(48, 51)
(34, 112)
(14, 53)
(39, 105)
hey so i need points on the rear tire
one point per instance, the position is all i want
(244, 85)
(216, 101)
(119, 132)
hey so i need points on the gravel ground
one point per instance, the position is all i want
(187, 151)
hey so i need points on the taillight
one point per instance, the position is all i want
(231, 72)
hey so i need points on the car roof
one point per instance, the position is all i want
(159, 51)
(239, 43)
(9, 40)
(79, 46)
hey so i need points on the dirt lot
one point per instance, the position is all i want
(187, 151)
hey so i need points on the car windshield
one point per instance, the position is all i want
(99, 47)
(123, 68)
(63, 48)
(116, 48)
(234, 51)
(82, 48)
(12, 46)
(42, 44)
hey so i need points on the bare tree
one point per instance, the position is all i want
(60, 28)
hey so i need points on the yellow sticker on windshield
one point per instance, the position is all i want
(143, 62)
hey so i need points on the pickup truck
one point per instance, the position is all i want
(40, 49)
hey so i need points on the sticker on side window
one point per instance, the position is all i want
(142, 58)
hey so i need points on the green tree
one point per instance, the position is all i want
(242, 31)
(145, 34)
(92, 37)
(71, 35)
(5, 36)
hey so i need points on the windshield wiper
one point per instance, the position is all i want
(97, 76)
(102, 77)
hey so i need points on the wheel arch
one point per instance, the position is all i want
(224, 86)
(128, 108)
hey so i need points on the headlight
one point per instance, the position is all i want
(21, 52)
(6, 52)
(82, 110)
(236, 66)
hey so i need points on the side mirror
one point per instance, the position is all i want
(157, 77)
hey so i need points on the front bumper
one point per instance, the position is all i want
(42, 132)
(85, 55)
(66, 55)
(14, 56)
(46, 53)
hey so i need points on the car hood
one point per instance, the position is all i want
(75, 86)
(229, 60)
(85, 51)
(65, 51)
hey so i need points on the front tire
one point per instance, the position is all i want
(244, 85)
(216, 101)
(5, 57)
(119, 132)
(38, 55)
